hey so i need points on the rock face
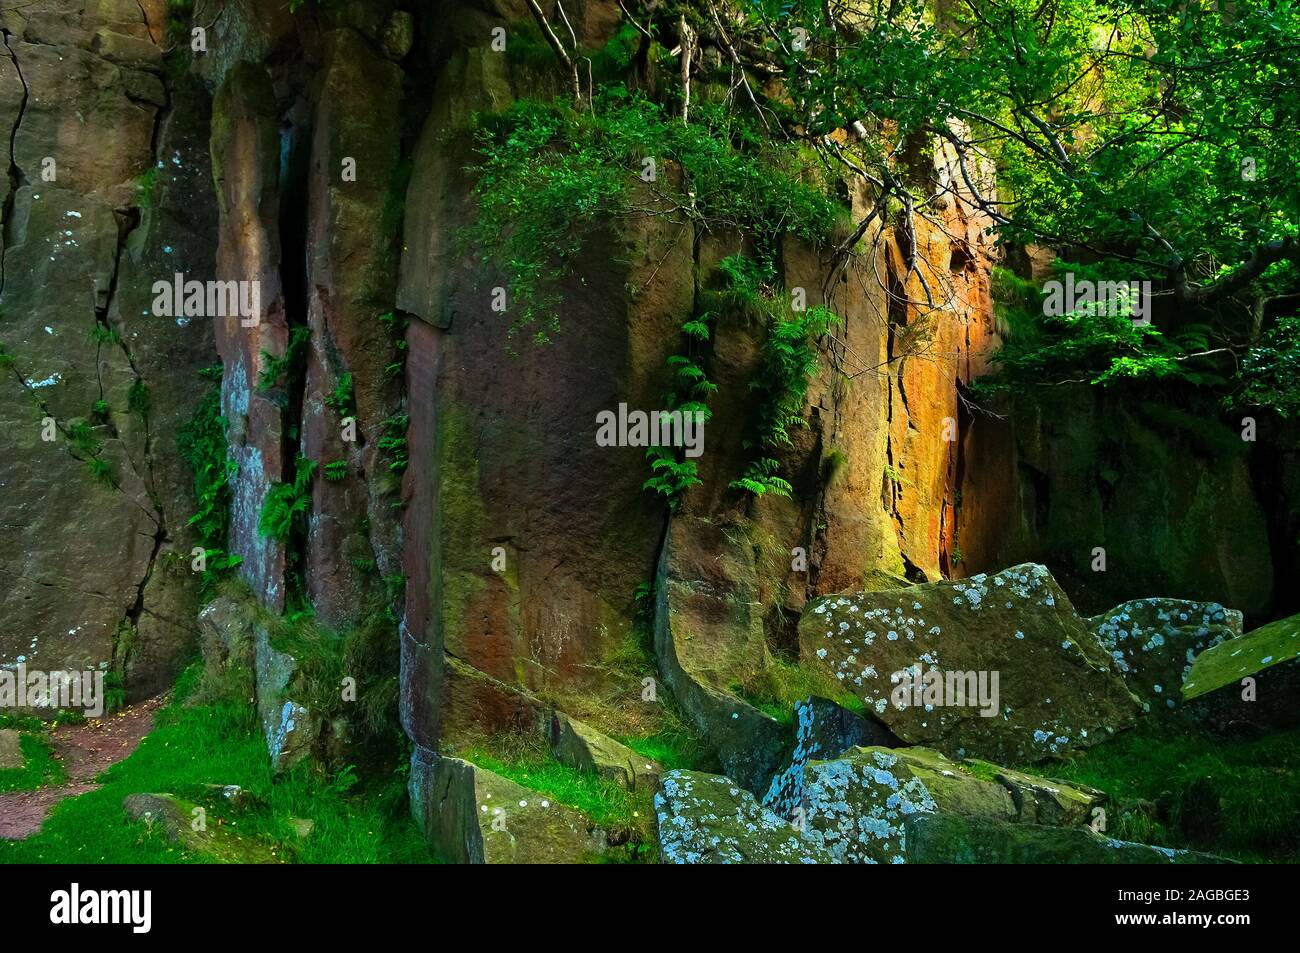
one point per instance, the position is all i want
(1152, 642)
(109, 190)
(478, 817)
(1170, 495)
(956, 839)
(1055, 689)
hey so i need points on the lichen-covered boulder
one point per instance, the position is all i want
(1022, 676)
(583, 747)
(823, 730)
(1251, 680)
(473, 816)
(958, 839)
(1152, 642)
(709, 819)
(855, 806)
(852, 809)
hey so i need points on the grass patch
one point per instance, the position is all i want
(1175, 784)
(40, 767)
(219, 742)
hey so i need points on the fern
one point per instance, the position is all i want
(286, 503)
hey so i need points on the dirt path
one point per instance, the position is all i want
(86, 750)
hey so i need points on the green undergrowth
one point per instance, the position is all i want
(1175, 784)
(218, 742)
(777, 689)
(40, 767)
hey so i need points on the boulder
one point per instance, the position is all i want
(1019, 675)
(473, 816)
(855, 806)
(583, 747)
(852, 809)
(709, 819)
(184, 823)
(1152, 642)
(11, 752)
(958, 839)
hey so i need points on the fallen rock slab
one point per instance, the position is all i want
(1250, 681)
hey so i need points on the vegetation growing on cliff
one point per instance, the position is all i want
(202, 445)
(551, 174)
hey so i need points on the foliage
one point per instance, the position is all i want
(202, 445)
(393, 442)
(1270, 372)
(275, 369)
(550, 175)
(343, 401)
(670, 474)
(789, 360)
(285, 507)
(1095, 345)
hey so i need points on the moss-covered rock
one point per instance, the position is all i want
(186, 824)
(709, 637)
(583, 747)
(1055, 688)
(957, 839)
(471, 815)
(11, 754)
(1152, 642)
